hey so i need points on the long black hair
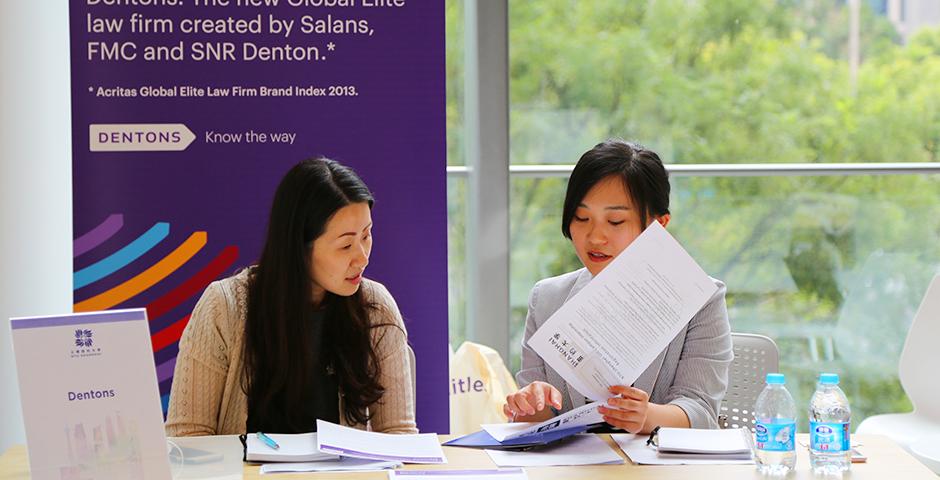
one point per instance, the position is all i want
(280, 302)
(642, 172)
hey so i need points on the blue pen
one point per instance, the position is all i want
(268, 441)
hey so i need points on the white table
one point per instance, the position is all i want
(927, 450)
(886, 460)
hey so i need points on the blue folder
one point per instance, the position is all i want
(482, 439)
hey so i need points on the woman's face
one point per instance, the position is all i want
(605, 223)
(341, 253)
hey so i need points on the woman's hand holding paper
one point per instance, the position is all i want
(629, 410)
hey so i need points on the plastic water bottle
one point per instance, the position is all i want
(830, 451)
(775, 415)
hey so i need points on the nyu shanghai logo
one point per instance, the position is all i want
(85, 344)
(83, 338)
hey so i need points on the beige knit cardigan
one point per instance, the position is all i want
(207, 397)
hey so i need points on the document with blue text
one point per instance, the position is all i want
(583, 416)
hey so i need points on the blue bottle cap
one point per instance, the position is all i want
(829, 378)
(776, 379)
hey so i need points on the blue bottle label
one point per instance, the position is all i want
(775, 437)
(829, 437)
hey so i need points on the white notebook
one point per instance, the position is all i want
(351, 442)
(642, 454)
(731, 443)
(300, 447)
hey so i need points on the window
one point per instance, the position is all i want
(831, 265)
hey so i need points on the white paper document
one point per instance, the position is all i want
(350, 442)
(613, 329)
(500, 474)
(345, 464)
(300, 447)
(635, 447)
(581, 416)
(584, 449)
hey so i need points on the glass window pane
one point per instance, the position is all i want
(456, 186)
(456, 259)
(832, 267)
(718, 81)
(454, 65)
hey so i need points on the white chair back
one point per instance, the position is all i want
(920, 357)
(754, 357)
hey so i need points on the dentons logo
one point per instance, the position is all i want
(84, 344)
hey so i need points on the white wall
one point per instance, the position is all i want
(918, 14)
(35, 179)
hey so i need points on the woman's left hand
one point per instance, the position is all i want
(628, 411)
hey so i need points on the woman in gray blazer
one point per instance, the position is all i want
(615, 191)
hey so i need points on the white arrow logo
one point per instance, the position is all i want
(139, 137)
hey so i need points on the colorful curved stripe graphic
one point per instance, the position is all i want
(122, 257)
(193, 285)
(98, 235)
(147, 278)
(165, 312)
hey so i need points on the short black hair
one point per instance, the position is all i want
(642, 172)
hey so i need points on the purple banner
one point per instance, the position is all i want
(186, 114)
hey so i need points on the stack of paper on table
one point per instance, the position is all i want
(299, 453)
(731, 444)
(585, 449)
(350, 442)
(686, 446)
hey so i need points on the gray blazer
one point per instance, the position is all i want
(692, 372)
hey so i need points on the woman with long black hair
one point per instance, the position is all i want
(302, 335)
